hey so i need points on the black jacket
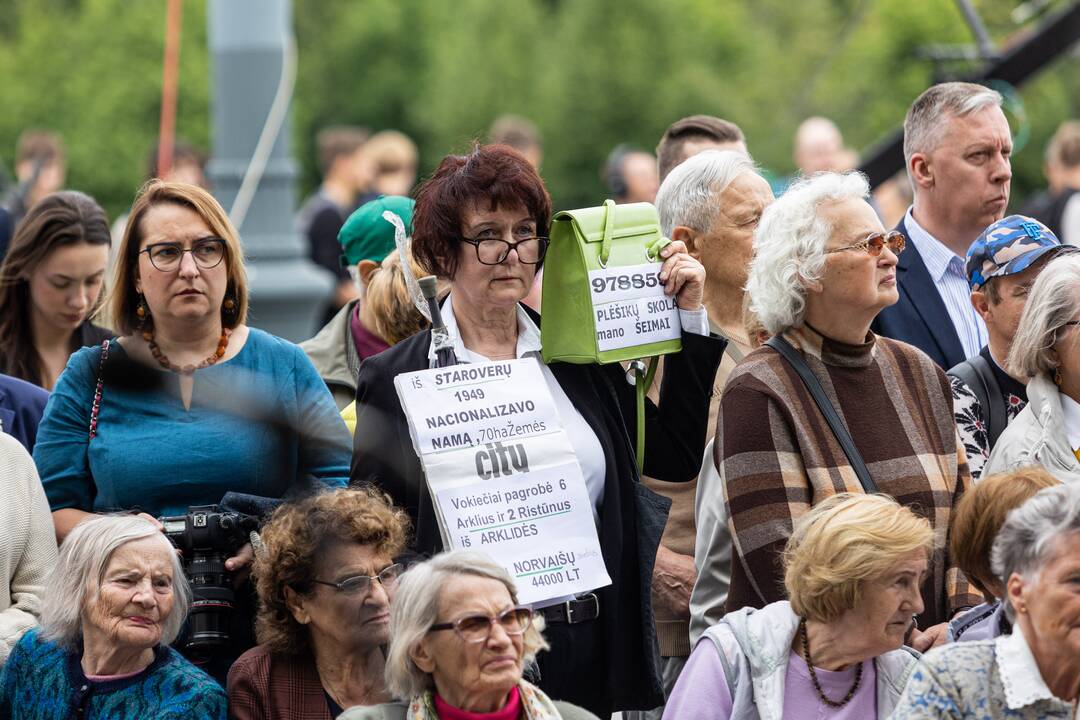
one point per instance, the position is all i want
(919, 317)
(632, 517)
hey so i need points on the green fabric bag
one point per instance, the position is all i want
(608, 247)
(603, 301)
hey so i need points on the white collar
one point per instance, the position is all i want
(1020, 676)
(1070, 409)
(528, 336)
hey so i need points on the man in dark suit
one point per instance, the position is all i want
(957, 148)
(21, 407)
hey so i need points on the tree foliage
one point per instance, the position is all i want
(590, 73)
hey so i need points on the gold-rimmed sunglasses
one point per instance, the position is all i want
(874, 242)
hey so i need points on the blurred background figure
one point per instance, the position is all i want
(40, 169)
(347, 175)
(188, 166)
(21, 407)
(687, 137)
(393, 157)
(325, 582)
(819, 147)
(51, 285)
(1059, 206)
(383, 315)
(520, 134)
(629, 174)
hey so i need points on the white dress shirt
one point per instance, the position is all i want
(947, 270)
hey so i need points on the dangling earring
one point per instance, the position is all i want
(1057, 376)
(229, 306)
(141, 310)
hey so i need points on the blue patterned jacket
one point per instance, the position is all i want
(44, 681)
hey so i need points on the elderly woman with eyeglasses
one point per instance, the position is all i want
(1034, 672)
(459, 645)
(325, 578)
(117, 598)
(1046, 351)
(823, 268)
(481, 222)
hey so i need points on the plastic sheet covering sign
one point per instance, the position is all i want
(630, 307)
(504, 475)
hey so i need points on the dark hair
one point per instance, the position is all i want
(338, 141)
(695, 127)
(184, 153)
(57, 220)
(495, 174)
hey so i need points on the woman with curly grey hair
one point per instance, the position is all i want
(823, 268)
(1046, 351)
(1035, 671)
(459, 644)
(325, 577)
(117, 598)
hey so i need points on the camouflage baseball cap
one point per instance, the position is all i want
(1009, 246)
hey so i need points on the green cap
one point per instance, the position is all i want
(366, 235)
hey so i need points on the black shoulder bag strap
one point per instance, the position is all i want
(796, 361)
(996, 416)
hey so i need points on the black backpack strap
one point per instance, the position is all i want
(979, 377)
(840, 430)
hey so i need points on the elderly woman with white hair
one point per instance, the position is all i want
(852, 570)
(822, 270)
(1035, 671)
(117, 598)
(1046, 351)
(459, 644)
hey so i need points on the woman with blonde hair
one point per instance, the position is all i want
(853, 567)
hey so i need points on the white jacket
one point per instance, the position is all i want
(1036, 436)
(27, 543)
(755, 646)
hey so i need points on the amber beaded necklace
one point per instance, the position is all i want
(223, 343)
(813, 675)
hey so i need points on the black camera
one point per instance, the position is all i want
(207, 537)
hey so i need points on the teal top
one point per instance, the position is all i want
(259, 423)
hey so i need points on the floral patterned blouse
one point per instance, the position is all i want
(971, 422)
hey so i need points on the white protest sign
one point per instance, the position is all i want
(503, 474)
(630, 307)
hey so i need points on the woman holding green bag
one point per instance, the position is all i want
(481, 222)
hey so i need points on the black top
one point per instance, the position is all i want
(632, 517)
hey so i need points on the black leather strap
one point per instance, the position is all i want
(812, 384)
(582, 609)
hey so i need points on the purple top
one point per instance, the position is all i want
(367, 342)
(702, 690)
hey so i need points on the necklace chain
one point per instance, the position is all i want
(163, 360)
(813, 675)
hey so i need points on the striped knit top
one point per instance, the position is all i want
(778, 457)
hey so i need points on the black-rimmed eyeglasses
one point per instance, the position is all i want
(362, 584)
(207, 253)
(477, 628)
(492, 251)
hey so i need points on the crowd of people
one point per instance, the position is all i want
(861, 496)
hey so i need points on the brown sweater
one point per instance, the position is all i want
(778, 457)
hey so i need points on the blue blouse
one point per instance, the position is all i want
(259, 423)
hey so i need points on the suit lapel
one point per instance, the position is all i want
(915, 282)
